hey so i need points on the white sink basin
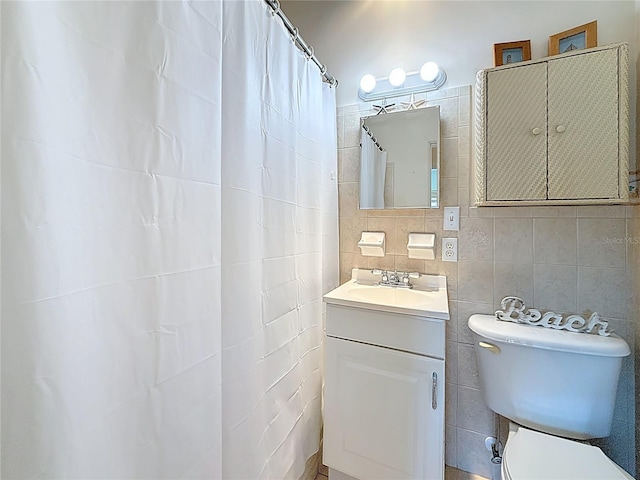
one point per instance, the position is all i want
(428, 298)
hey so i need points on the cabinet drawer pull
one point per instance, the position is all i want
(560, 128)
(490, 346)
(536, 131)
(434, 390)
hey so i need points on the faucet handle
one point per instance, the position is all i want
(407, 275)
(377, 271)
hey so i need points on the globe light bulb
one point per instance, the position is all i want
(367, 83)
(397, 76)
(429, 71)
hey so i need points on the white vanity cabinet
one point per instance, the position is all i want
(384, 394)
(554, 131)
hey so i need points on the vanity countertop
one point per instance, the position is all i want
(427, 298)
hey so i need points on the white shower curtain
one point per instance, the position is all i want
(281, 147)
(373, 168)
(132, 184)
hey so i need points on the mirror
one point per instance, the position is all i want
(400, 159)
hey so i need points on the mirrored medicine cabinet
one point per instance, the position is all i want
(400, 159)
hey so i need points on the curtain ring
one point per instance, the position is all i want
(275, 9)
(323, 69)
(309, 52)
(294, 34)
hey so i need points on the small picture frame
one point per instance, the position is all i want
(511, 52)
(578, 38)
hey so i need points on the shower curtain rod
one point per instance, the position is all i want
(299, 41)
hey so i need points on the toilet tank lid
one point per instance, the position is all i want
(488, 326)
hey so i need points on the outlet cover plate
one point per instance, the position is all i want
(449, 249)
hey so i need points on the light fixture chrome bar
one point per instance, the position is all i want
(412, 84)
(299, 41)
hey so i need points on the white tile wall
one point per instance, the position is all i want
(568, 259)
(555, 241)
(633, 249)
(555, 287)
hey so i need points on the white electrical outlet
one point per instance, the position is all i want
(451, 218)
(449, 249)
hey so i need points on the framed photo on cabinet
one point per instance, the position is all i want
(584, 36)
(511, 52)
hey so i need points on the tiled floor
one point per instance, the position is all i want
(323, 472)
(450, 473)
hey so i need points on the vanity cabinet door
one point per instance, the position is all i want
(383, 418)
(517, 133)
(583, 126)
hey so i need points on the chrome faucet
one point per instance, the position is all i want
(395, 278)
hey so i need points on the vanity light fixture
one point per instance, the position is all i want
(398, 83)
(429, 71)
(397, 77)
(367, 83)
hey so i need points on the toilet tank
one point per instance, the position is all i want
(559, 382)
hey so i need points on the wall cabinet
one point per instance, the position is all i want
(383, 401)
(554, 131)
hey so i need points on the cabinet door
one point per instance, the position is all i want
(379, 419)
(583, 126)
(516, 116)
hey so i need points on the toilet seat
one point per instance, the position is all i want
(538, 456)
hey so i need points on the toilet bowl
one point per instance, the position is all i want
(533, 455)
(558, 389)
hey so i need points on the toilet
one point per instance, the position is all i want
(558, 389)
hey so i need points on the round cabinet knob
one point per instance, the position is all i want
(560, 128)
(536, 131)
